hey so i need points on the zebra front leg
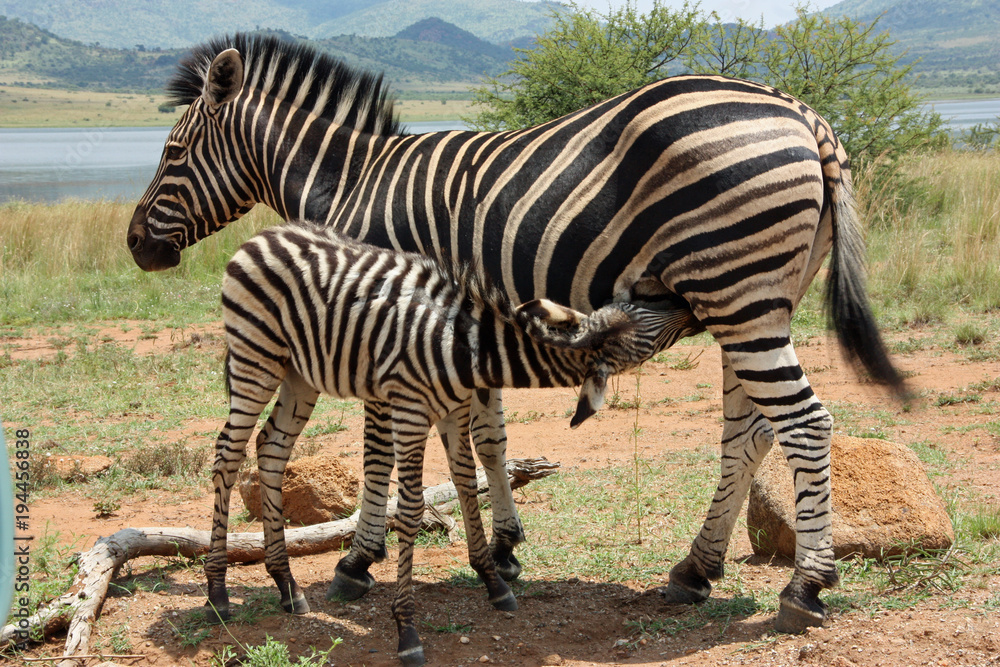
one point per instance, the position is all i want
(351, 578)
(490, 438)
(252, 383)
(230, 451)
(463, 475)
(292, 410)
(410, 438)
(746, 439)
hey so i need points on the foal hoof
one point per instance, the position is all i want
(506, 602)
(508, 567)
(345, 588)
(793, 618)
(297, 605)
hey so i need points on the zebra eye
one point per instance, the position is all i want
(176, 152)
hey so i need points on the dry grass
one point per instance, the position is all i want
(934, 238)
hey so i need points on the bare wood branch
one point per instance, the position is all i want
(79, 607)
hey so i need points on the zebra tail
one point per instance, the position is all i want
(848, 309)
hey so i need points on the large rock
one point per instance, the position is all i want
(882, 502)
(315, 489)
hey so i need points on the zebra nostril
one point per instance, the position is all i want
(135, 242)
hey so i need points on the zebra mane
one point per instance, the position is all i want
(357, 98)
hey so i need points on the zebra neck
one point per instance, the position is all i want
(305, 165)
(506, 354)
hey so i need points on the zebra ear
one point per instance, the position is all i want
(551, 313)
(591, 396)
(225, 78)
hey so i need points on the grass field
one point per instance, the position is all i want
(68, 282)
(43, 107)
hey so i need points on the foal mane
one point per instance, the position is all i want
(333, 89)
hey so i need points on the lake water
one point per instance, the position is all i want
(48, 165)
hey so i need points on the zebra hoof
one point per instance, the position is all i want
(684, 588)
(505, 602)
(214, 615)
(508, 567)
(345, 588)
(412, 657)
(296, 605)
(796, 614)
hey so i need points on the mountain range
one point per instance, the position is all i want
(165, 24)
(419, 44)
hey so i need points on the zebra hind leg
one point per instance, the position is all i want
(490, 438)
(771, 375)
(296, 400)
(746, 439)
(463, 474)
(351, 577)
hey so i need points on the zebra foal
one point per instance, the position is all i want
(312, 312)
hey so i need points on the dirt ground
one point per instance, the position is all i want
(574, 620)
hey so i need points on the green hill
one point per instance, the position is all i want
(955, 41)
(181, 23)
(417, 61)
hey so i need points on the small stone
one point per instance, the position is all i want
(464, 640)
(554, 659)
(496, 638)
(484, 659)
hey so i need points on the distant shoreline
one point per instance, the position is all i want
(31, 107)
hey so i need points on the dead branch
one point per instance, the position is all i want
(79, 607)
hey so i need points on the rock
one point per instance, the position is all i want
(76, 468)
(882, 502)
(315, 489)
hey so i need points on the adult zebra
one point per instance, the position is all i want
(707, 194)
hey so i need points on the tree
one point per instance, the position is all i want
(587, 57)
(846, 70)
(842, 68)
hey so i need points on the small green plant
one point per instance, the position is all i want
(980, 522)
(272, 653)
(969, 333)
(956, 399)
(917, 569)
(106, 507)
(451, 627)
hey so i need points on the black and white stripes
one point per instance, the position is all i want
(311, 312)
(705, 195)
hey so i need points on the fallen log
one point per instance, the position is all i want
(79, 607)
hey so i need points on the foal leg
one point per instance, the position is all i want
(746, 439)
(295, 404)
(490, 438)
(410, 438)
(351, 578)
(463, 475)
(252, 384)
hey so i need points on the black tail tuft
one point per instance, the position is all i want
(848, 308)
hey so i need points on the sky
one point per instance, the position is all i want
(775, 12)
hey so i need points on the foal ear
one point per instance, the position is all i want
(551, 313)
(591, 396)
(225, 78)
